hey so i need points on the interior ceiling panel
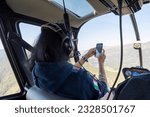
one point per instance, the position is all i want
(40, 9)
(98, 6)
(48, 11)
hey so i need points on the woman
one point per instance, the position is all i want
(52, 72)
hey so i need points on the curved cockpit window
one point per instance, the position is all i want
(105, 29)
(8, 82)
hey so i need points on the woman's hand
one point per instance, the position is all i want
(102, 57)
(101, 60)
(90, 53)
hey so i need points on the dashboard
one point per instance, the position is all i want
(134, 71)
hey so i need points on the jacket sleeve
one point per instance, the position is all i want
(80, 85)
(103, 88)
(92, 88)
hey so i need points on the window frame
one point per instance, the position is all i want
(13, 64)
(19, 31)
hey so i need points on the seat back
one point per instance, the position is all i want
(35, 93)
(136, 88)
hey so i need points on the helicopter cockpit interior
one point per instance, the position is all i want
(20, 18)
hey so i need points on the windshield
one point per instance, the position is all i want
(83, 9)
(105, 29)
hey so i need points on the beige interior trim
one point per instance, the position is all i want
(50, 12)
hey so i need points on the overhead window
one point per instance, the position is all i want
(83, 9)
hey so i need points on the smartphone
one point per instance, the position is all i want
(99, 48)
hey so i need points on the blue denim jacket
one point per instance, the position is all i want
(68, 81)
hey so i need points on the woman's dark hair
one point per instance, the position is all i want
(48, 47)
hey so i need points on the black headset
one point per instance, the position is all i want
(67, 44)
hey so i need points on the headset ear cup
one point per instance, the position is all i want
(67, 46)
(66, 43)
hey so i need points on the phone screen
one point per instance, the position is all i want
(99, 48)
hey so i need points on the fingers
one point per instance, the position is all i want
(92, 51)
(102, 55)
(103, 51)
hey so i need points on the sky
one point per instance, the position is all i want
(103, 29)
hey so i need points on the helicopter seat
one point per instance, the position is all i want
(35, 93)
(135, 88)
